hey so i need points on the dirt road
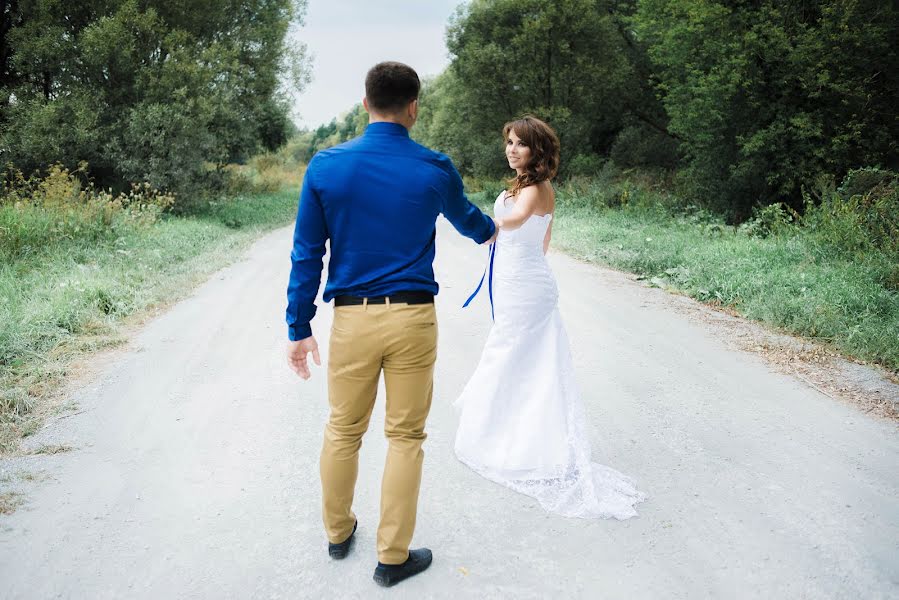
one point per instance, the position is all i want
(193, 469)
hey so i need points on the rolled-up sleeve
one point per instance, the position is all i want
(467, 218)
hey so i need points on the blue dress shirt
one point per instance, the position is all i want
(376, 198)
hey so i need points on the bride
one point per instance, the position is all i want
(522, 422)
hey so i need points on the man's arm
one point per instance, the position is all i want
(309, 237)
(465, 216)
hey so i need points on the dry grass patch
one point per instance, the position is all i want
(10, 501)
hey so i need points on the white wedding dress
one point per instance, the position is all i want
(522, 422)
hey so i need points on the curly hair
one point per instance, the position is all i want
(544, 145)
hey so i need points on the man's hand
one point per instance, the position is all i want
(495, 233)
(297, 356)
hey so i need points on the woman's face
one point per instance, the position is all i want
(517, 153)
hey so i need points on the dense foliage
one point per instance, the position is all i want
(748, 99)
(146, 90)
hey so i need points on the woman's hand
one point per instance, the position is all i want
(496, 226)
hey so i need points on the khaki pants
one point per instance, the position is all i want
(401, 340)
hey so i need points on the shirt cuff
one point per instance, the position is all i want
(492, 231)
(297, 332)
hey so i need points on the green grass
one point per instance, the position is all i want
(786, 281)
(69, 297)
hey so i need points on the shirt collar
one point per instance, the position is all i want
(386, 128)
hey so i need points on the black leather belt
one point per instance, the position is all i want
(419, 297)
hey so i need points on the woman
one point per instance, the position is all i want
(522, 422)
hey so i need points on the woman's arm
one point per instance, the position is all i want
(529, 199)
(547, 237)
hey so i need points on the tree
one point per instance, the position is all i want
(571, 62)
(766, 96)
(146, 90)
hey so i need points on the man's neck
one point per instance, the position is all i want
(382, 119)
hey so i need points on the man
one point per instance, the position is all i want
(376, 198)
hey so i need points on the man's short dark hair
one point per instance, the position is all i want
(391, 86)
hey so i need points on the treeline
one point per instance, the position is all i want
(746, 101)
(339, 130)
(146, 90)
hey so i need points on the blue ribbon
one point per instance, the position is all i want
(487, 269)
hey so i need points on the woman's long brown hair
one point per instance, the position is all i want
(544, 145)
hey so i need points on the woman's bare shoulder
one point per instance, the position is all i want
(541, 195)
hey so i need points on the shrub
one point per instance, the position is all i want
(642, 146)
(770, 220)
(265, 173)
(165, 145)
(859, 216)
(582, 165)
(38, 211)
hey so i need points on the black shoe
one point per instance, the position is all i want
(340, 550)
(418, 561)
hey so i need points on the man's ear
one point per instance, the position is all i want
(413, 109)
(365, 105)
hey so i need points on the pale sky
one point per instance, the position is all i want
(347, 37)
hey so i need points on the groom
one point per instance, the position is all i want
(376, 198)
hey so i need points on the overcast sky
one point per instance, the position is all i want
(347, 37)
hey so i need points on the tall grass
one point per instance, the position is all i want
(60, 208)
(268, 172)
(72, 270)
